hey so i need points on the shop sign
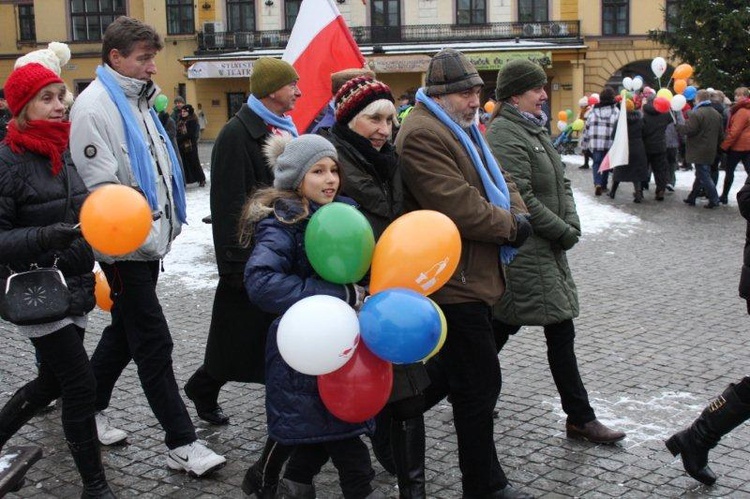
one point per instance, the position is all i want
(493, 61)
(399, 64)
(220, 69)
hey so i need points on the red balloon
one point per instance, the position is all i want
(593, 101)
(661, 104)
(359, 390)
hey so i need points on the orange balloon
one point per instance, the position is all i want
(562, 116)
(115, 219)
(489, 106)
(101, 291)
(679, 86)
(683, 72)
(418, 251)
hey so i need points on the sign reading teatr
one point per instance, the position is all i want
(220, 69)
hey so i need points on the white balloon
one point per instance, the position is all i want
(583, 101)
(627, 82)
(710, 89)
(658, 66)
(678, 102)
(561, 125)
(595, 96)
(318, 334)
(637, 83)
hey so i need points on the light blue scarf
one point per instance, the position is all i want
(140, 158)
(283, 122)
(493, 182)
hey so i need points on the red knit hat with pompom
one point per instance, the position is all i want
(25, 82)
(356, 94)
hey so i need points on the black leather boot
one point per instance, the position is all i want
(381, 440)
(262, 478)
(16, 412)
(720, 417)
(408, 442)
(294, 490)
(84, 446)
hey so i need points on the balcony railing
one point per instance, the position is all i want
(383, 35)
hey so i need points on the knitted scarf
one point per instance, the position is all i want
(138, 152)
(283, 122)
(489, 171)
(43, 137)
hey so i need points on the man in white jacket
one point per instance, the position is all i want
(117, 139)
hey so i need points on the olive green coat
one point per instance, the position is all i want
(539, 286)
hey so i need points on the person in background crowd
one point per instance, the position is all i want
(636, 171)
(188, 132)
(447, 166)
(718, 99)
(405, 105)
(654, 139)
(736, 142)
(539, 287)
(202, 120)
(5, 115)
(169, 126)
(115, 109)
(42, 197)
(179, 101)
(583, 114)
(598, 135)
(672, 140)
(327, 117)
(703, 131)
(278, 275)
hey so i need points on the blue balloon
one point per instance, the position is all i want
(690, 92)
(400, 325)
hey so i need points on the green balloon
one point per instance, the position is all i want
(161, 102)
(339, 243)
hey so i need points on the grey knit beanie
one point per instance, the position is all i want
(292, 159)
(450, 72)
(517, 77)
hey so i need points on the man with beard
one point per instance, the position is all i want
(448, 167)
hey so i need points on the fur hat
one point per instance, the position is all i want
(340, 77)
(270, 74)
(292, 158)
(25, 82)
(54, 57)
(357, 94)
(517, 77)
(450, 72)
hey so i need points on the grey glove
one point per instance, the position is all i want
(523, 230)
(57, 236)
(569, 238)
(355, 295)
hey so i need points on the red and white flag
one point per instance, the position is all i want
(320, 44)
(619, 153)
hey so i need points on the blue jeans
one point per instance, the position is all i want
(597, 155)
(703, 179)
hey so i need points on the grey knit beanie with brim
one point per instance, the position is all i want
(519, 76)
(450, 72)
(291, 159)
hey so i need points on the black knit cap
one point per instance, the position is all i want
(357, 94)
(450, 72)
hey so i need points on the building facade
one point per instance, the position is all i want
(210, 45)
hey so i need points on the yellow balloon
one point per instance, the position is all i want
(665, 93)
(443, 332)
(578, 125)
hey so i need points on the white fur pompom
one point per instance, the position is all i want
(53, 58)
(61, 50)
(275, 147)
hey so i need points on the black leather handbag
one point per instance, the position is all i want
(38, 296)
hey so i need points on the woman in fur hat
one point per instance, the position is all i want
(188, 131)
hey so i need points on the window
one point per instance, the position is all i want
(291, 9)
(180, 17)
(532, 11)
(241, 15)
(615, 19)
(89, 18)
(671, 10)
(471, 12)
(26, 25)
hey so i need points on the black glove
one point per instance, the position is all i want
(569, 238)
(57, 236)
(523, 230)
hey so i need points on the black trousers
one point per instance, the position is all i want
(563, 364)
(660, 168)
(64, 370)
(139, 332)
(204, 389)
(467, 369)
(350, 457)
(733, 159)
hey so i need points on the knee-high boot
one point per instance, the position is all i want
(84, 446)
(720, 417)
(408, 442)
(381, 440)
(16, 412)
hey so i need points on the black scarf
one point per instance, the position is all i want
(383, 161)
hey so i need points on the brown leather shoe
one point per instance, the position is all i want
(594, 431)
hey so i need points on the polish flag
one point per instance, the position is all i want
(320, 44)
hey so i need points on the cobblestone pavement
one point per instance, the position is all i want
(661, 332)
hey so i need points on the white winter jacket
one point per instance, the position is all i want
(100, 152)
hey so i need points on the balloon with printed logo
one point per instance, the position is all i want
(562, 116)
(102, 291)
(115, 219)
(680, 86)
(339, 243)
(678, 102)
(318, 334)
(665, 93)
(637, 83)
(160, 103)
(443, 332)
(682, 72)
(489, 106)
(578, 125)
(359, 389)
(561, 125)
(400, 325)
(661, 104)
(658, 66)
(419, 250)
(690, 92)
(627, 82)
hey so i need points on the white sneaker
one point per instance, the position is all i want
(195, 458)
(108, 435)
